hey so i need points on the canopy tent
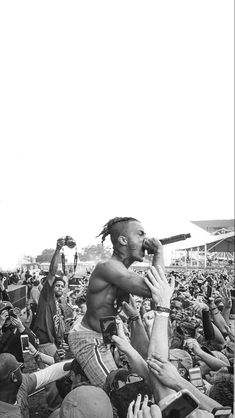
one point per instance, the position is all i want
(223, 243)
(216, 226)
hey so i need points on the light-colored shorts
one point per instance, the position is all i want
(92, 354)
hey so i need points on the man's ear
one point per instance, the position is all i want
(122, 240)
(14, 378)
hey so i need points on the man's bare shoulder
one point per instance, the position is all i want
(109, 265)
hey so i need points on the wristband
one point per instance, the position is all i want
(162, 309)
(165, 314)
(134, 318)
(212, 309)
(36, 354)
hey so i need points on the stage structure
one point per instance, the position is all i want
(219, 246)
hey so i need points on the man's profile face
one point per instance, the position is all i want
(135, 236)
(58, 288)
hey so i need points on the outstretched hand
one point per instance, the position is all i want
(226, 297)
(136, 410)
(160, 288)
(130, 309)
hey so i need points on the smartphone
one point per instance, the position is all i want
(181, 406)
(222, 412)
(108, 328)
(24, 343)
(195, 376)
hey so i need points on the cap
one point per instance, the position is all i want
(5, 305)
(181, 355)
(86, 401)
(8, 364)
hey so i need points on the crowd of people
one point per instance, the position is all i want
(170, 351)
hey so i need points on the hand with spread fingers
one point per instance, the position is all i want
(160, 288)
(226, 297)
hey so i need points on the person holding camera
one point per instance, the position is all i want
(11, 329)
(110, 284)
(49, 325)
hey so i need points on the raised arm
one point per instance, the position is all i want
(114, 272)
(55, 261)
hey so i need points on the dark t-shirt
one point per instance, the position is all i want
(48, 320)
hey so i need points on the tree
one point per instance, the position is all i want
(94, 253)
(46, 256)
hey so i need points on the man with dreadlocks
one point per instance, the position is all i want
(110, 284)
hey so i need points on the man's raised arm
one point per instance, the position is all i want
(55, 261)
(116, 273)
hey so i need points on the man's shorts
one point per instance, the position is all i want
(92, 354)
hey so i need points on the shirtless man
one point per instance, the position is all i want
(110, 284)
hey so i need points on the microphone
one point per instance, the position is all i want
(170, 240)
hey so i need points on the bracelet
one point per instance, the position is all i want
(165, 314)
(134, 318)
(215, 313)
(212, 309)
(162, 309)
(36, 354)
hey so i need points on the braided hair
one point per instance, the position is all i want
(108, 226)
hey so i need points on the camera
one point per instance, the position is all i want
(14, 312)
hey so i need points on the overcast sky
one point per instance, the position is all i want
(113, 109)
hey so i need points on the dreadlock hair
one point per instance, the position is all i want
(107, 229)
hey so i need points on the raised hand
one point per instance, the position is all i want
(60, 243)
(198, 307)
(17, 323)
(226, 297)
(130, 309)
(160, 288)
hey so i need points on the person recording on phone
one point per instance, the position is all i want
(110, 284)
(11, 329)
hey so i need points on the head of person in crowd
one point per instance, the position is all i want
(122, 387)
(222, 389)
(58, 286)
(75, 378)
(127, 236)
(138, 302)
(82, 306)
(182, 360)
(86, 401)
(10, 377)
(73, 299)
(35, 282)
(146, 305)
(176, 312)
